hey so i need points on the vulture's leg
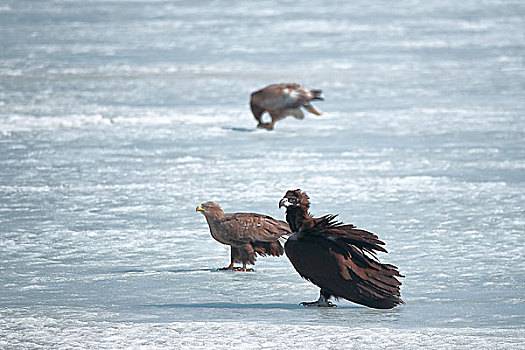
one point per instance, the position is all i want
(321, 302)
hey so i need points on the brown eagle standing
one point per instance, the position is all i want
(338, 258)
(247, 234)
(282, 100)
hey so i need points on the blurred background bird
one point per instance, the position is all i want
(282, 100)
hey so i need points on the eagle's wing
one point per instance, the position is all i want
(280, 97)
(250, 227)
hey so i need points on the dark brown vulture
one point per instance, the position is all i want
(338, 258)
(282, 100)
(247, 234)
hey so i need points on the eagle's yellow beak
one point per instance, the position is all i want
(199, 208)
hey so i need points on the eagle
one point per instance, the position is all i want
(247, 234)
(282, 100)
(339, 258)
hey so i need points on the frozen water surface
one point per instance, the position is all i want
(117, 118)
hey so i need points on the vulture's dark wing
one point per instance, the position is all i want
(328, 226)
(339, 259)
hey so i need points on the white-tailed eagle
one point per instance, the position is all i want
(247, 234)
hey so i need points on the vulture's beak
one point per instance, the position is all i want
(284, 203)
(199, 208)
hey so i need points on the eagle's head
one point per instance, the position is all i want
(209, 207)
(295, 199)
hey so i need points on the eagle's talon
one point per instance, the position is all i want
(266, 126)
(228, 268)
(240, 269)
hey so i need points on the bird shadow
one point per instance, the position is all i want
(225, 305)
(188, 270)
(127, 271)
(138, 271)
(213, 269)
(233, 128)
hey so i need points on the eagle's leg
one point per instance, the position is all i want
(267, 126)
(276, 116)
(233, 256)
(244, 269)
(261, 124)
(229, 268)
(321, 302)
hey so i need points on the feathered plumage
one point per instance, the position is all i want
(339, 258)
(247, 234)
(282, 100)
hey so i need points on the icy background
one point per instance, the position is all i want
(117, 118)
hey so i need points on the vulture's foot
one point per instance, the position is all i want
(322, 302)
(318, 304)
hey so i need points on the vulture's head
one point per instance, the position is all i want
(209, 208)
(295, 199)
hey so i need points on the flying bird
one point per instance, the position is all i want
(247, 234)
(338, 258)
(282, 100)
